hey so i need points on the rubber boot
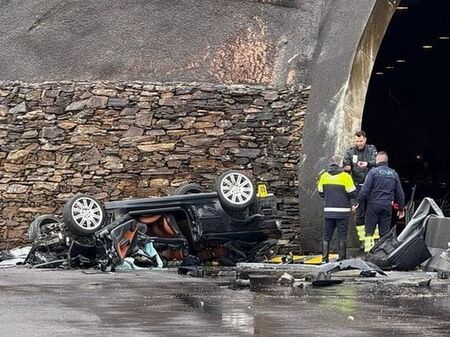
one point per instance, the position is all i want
(376, 235)
(368, 243)
(342, 250)
(325, 251)
(361, 231)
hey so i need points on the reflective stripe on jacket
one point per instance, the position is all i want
(338, 189)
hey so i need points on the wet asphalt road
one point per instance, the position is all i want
(162, 303)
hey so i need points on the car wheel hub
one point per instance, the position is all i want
(87, 213)
(237, 188)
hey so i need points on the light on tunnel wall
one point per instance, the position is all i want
(390, 67)
(402, 8)
(427, 46)
(379, 73)
(400, 61)
(444, 37)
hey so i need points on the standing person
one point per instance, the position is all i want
(358, 160)
(337, 187)
(381, 189)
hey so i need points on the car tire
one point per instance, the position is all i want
(236, 191)
(189, 189)
(83, 215)
(35, 228)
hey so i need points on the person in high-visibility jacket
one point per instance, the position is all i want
(338, 190)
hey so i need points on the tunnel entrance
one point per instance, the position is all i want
(407, 109)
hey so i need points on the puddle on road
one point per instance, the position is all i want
(237, 319)
(202, 307)
(150, 305)
(281, 309)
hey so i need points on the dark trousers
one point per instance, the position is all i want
(378, 214)
(330, 224)
(361, 210)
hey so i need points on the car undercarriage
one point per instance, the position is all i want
(191, 227)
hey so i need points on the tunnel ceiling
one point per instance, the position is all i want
(416, 26)
(407, 108)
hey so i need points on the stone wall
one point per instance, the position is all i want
(120, 140)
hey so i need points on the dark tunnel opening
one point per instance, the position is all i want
(407, 109)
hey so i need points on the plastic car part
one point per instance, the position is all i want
(443, 265)
(236, 191)
(325, 283)
(189, 189)
(37, 225)
(411, 252)
(427, 206)
(123, 237)
(367, 269)
(407, 250)
(150, 251)
(83, 215)
(437, 238)
(108, 228)
(445, 204)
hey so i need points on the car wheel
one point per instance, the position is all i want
(189, 189)
(236, 191)
(36, 227)
(83, 215)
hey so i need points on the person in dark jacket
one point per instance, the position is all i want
(381, 189)
(358, 160)
(338, 189)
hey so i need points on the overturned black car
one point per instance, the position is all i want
(230, 225)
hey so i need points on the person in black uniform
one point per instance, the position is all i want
(380, 189)
(358, 160)
(337, 187)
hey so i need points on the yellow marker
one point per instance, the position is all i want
(306, 259)
(318, 259)
(262, 191)
(279, 258)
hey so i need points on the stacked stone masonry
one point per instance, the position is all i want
(121, 140)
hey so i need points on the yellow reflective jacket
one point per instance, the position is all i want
(338, 189)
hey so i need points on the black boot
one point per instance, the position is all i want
(342, 250)
(325, 251)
